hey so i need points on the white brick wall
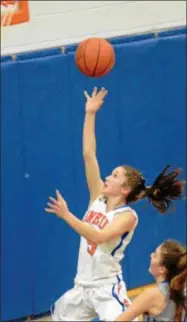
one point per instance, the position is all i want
(55, 23)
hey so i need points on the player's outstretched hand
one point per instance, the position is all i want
(95, 101)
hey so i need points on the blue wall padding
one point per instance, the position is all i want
(142, 124)
(16, 226)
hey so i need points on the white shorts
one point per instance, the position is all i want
(86, 303)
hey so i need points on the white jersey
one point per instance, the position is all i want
(100, 264)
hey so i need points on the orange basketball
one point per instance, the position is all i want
(95, 57)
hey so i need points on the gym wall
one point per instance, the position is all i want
(58, 23)
(42, 110)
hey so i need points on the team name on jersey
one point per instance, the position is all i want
(96, 218)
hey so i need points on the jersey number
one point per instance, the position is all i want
(91, 247)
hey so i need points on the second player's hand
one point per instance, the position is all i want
(95, 101)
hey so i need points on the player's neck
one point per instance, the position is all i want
(160, 279)
(114, 202)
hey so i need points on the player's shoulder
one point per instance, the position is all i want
(126, 220)
(100, 200)
(126, 211)
(152, 293)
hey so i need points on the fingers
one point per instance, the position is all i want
(60, 199)
(59, 196)
(53, 200)
(53, 206)
(94, 92)
(86, 95)
(100, 94)
(53, 211)
(57, 203)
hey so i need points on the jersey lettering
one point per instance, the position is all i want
(99, 220)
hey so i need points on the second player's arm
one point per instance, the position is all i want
(141, 304)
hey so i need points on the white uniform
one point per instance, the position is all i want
(99, 287)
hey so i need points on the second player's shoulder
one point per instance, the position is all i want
(152, 291)
(154, 295)
(151, 295)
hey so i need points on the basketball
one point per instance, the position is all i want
(95, 57)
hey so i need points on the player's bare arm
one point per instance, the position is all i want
(141, 304)
(117, 228)
(93, 104)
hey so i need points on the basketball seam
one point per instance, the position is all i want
(83, 58)
(84, 55)
(98, 55)
(103, 71)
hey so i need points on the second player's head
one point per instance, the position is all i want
(169, 263)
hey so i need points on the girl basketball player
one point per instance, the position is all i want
(106, 229)
(166, 301)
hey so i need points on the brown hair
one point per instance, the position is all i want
(164, 189)
(174, 259)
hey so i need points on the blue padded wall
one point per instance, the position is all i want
(142, 124)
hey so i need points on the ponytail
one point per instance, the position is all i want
(177, 293)
(164, 189)
(175, 260)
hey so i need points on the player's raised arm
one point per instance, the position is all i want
(93, 104)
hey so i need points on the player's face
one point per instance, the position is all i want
(114, 184)
(156, 268)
